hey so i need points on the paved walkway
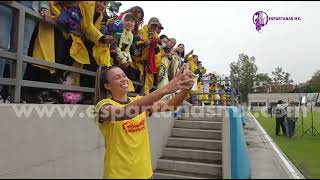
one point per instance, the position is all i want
(266, 160)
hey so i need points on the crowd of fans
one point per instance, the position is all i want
(84, 35)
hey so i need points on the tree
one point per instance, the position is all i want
(306, 88)
(281, 78)
(262, 78)
(278, 75)
(262, 83)
(287, 79)
(244, 70)
(314, 83)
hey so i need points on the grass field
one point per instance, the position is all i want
(303, 151)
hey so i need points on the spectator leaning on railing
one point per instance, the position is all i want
(82, 35)
(146, 61)
(165, 63)
(164, 39)
(90, 14)
(176, 62)
(6, 24)
(138, 14)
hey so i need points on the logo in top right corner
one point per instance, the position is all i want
(260, 19)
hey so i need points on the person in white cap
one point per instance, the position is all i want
(291, 119)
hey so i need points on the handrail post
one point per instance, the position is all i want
(232, 90)
(226, 144)
(19, 23)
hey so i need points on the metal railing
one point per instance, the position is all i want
(16, 54)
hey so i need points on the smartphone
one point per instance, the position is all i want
(186, 68)
(167, 50)
(150, 35)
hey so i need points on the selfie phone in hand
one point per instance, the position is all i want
(186, 68)
(150, 35)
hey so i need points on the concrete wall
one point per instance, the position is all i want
(41, 147)
(240, 160)
(303, 109)
(160, 128)
(274, 97)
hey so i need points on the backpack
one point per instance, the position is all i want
(70, 18)
(280, 111)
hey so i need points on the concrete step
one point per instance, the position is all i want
(164, 174)
(204, 109)
(203, 144)
(200, 117)
(192, 154)
(190, 167)
(200, 114)
(218, 162)
(198, 125)
(197, 133)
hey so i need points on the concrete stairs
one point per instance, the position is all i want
(194, 149)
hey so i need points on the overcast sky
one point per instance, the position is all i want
(219, 31)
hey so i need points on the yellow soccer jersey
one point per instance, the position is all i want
(127, 153)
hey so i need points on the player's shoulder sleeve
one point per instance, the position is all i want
(135, 98)
(100, 104)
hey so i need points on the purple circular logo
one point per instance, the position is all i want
(260, 19)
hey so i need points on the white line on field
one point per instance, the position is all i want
(278, 151)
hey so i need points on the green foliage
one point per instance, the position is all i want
(245, 71)
(280, 77)
(263, 78)
(314, 83)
